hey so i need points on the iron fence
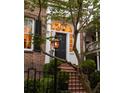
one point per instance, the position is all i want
(51, 80)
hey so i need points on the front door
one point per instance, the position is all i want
(61, 51)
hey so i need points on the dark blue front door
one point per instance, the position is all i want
(61, 51)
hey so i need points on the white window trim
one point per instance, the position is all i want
(33, 27)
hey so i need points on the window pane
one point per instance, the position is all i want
(27, 41)
(71, 43)
(27, 33)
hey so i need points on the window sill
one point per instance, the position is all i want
(27, 51)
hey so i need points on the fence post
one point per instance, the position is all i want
(34, 83)
(55, 77)
(27, 82)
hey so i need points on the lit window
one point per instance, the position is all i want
(71, 43)
(28, 31)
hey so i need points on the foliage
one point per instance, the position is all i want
(49, 67)
(88, 66)
(32, 4)
(78, 10)
(30, 88)
(37, 40)
(94, 25)
(41, 86)
(63, 78)
(46, 84)
(94, 79)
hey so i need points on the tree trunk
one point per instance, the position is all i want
(75, 48)
(84, 80)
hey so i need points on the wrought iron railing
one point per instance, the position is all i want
(46, 82)
(92, 46)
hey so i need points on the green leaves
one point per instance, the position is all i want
(94, 25)
(32, 4)
(88, 66)
(76, 10)
(37, 40)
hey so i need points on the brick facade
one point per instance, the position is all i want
(32, 58)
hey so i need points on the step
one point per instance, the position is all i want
(75, 85)
(68, 70)
(62, 67)
(73, 77)
(74, 81)
(76, 89)
(73, 74)
(66, 64)
(78, 92)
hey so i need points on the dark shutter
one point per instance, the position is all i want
(37, 36)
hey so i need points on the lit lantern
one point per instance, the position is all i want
(55, 43)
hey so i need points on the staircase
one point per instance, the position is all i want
(74, 84)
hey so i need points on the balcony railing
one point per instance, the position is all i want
(93, 46)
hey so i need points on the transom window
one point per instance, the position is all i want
(28, 31)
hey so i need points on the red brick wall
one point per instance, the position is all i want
(32, 58)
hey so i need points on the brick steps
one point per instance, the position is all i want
(78, 92)
(74, 84)
(68, 70)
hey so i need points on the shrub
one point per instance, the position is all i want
(94, 78)
(63, 78)
(45, 85)
(30, 88)
(50, 67)
(88, 66)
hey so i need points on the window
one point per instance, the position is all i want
(28, 31)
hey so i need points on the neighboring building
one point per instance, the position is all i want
(92, 47)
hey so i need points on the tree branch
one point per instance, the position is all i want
(84, 80)
(39, 10)
(78, 16)
(93, 51)
(85, 21)
(63, 60)
(70, 8)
